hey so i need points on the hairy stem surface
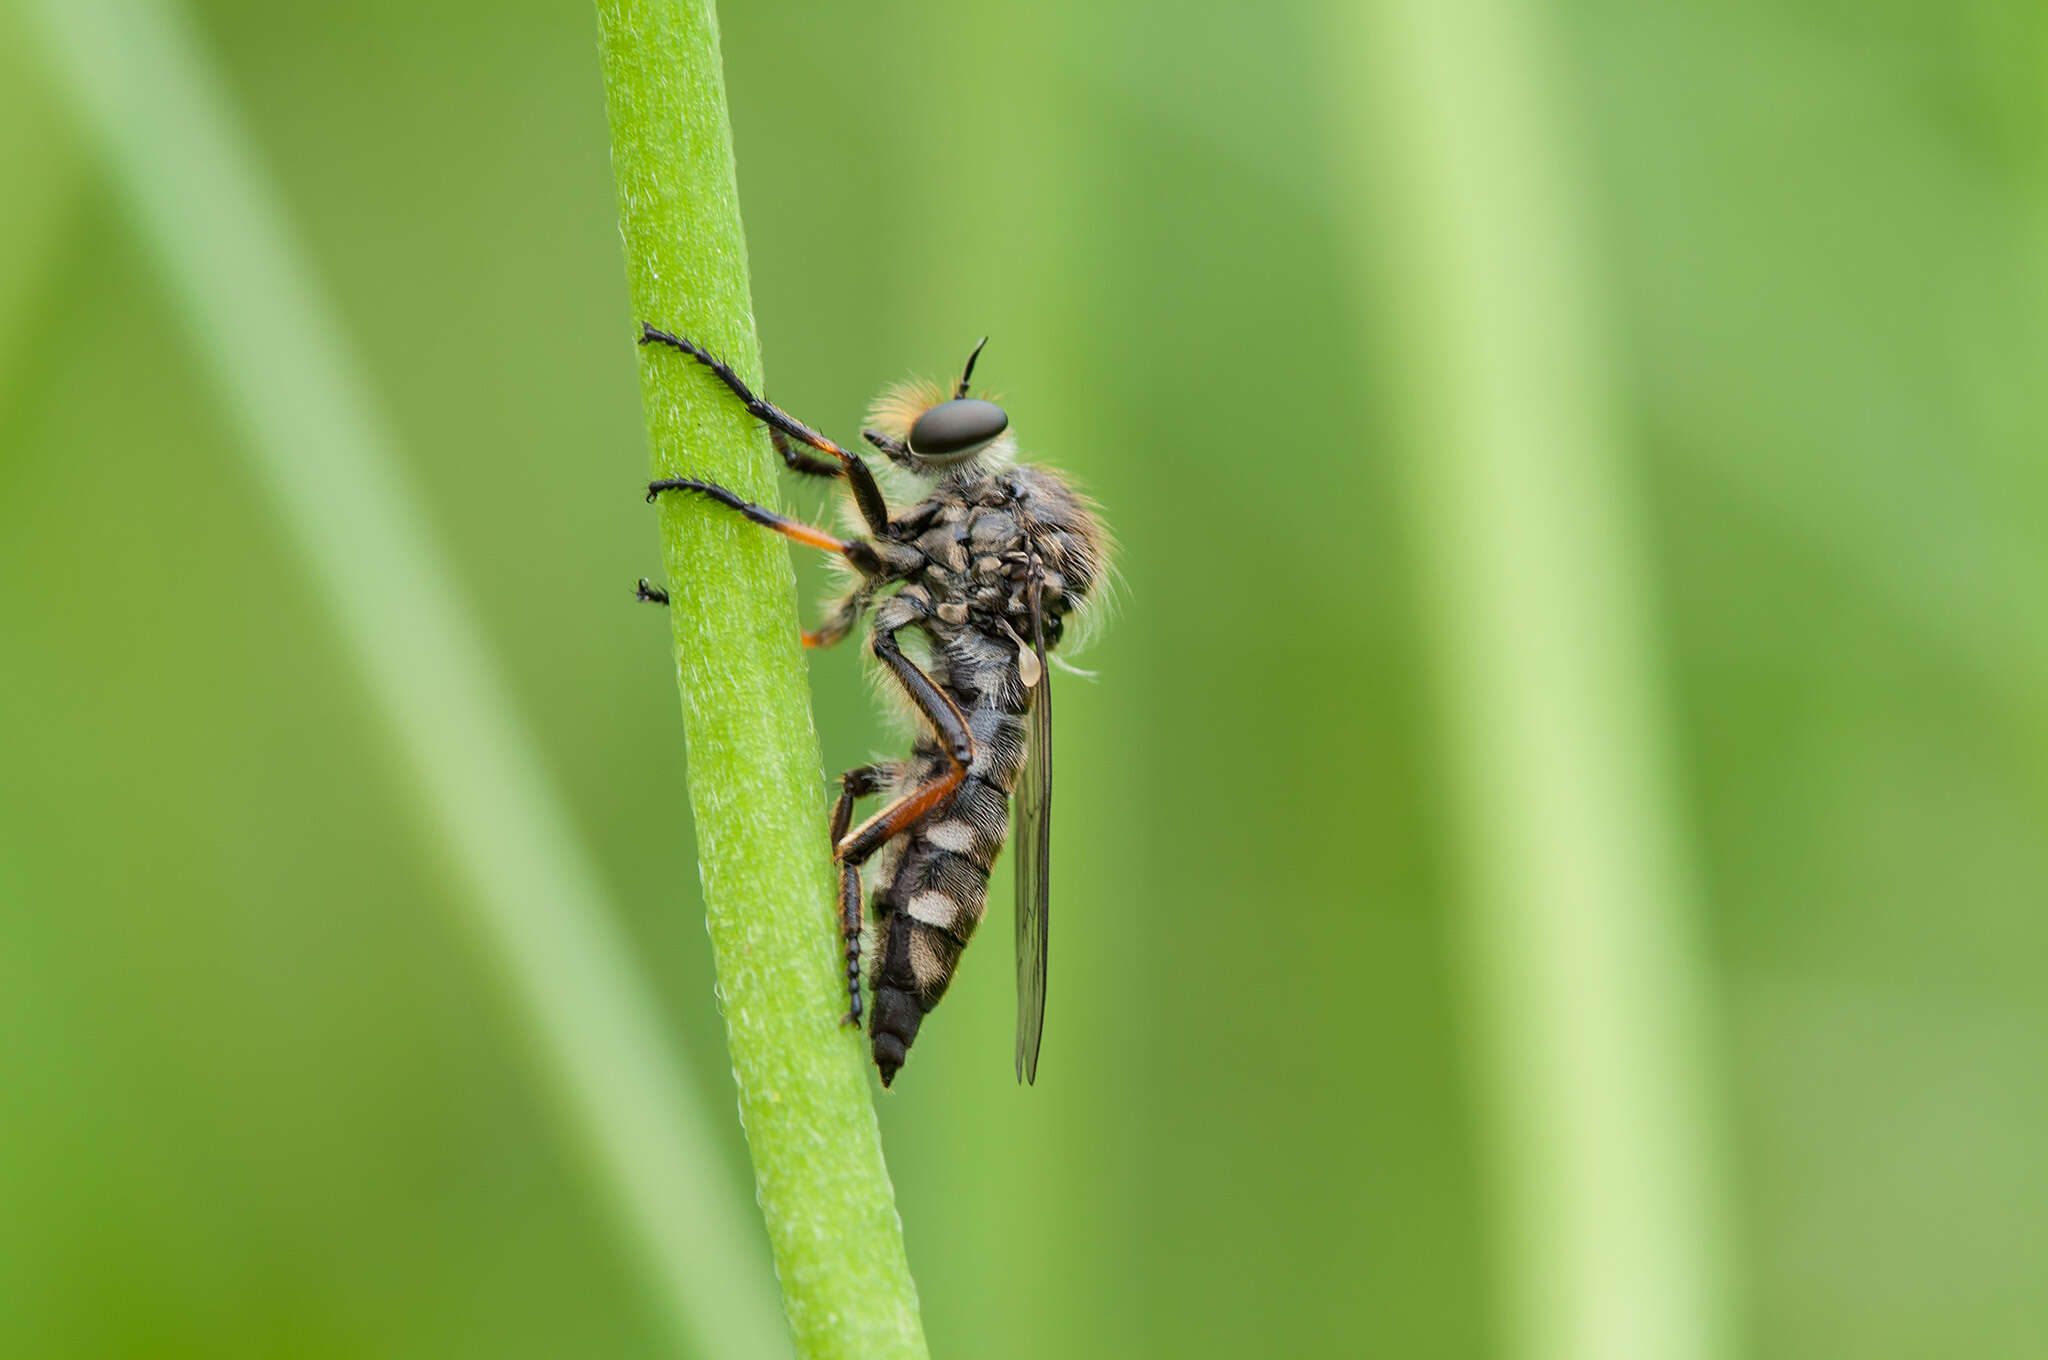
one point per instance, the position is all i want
(755, 775)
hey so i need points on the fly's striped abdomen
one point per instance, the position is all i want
(936, 894)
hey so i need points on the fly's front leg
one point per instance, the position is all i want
(783, 427)
(856, 783)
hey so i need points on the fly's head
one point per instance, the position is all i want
(923, 429)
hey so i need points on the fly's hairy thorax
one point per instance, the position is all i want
(980, 539)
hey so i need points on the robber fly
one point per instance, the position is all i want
(987, 568)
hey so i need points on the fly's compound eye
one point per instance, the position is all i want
(954, 429)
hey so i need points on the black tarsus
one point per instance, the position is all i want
(968, 372)
(866, 493)
(649, 592)
(856, 783)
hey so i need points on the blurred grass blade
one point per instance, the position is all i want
(1598, 1093)
(218, 233)
(45, 182)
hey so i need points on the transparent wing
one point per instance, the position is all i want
(1033, 835)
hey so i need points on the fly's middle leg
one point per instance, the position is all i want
(844, 614)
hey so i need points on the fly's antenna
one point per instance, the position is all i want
(968, 372)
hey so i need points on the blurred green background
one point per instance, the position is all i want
(263, 1095)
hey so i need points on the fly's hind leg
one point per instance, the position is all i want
(955, 741)
(856, 783)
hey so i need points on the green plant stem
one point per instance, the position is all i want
(755, 775)
(1593, 1059)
